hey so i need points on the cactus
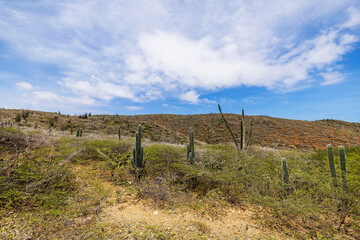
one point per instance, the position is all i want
(242, 129)
(71, 130)
(343, 168)
(285, 176)
(227, 125)
(137, 160)
(119, 134)
(78, 133)
(243, 144)
(190, 147)
(250, 133)
(331, 164)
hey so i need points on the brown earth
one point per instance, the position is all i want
(209, 128)
(233, 223)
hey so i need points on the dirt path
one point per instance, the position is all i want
(234, 223)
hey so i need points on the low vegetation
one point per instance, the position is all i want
(56, 186)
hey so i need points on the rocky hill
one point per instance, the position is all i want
(209, 128)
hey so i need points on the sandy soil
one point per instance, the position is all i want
(233, 223)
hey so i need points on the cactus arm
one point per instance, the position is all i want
(132, 162)
(250, 134)
(241, 134)
(141, 163)
(143, 160)
(137, 160)
(331, 164)
(228, 127)
(137, 149)
(139, 131)
(343, 167)
(187, 151)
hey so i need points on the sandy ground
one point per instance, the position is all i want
(233, 223)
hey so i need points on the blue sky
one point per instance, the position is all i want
(289, 59)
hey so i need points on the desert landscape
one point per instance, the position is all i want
(180, 120)
(71, 177)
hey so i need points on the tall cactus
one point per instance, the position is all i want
(343, 168)
(332, 164)
(243, 144)
(227, 125)
(250, 134)
(190, 147)
(137, 160)
(78, 133)
(285, 176)
(119, 133)
(242, 130)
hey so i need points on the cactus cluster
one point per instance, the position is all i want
(243, 144)
(190, 147)
(79, 132)
(342, 167)
(137, 160)
(227, 125)
(6, 123)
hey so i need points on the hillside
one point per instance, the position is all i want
(209, 128)
(55, 185)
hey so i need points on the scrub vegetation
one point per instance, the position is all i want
(54, 185)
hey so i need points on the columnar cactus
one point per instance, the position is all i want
(227, 125)
(343, 168)
(332, 165)
(190, 147)
(242, 130)
(78, 133)
(250, 133)
(137, 160)
(119, 134)
(285, 176)
(243, 144)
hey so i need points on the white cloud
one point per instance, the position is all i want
(134, 108)
(190, 96)
(95, 87)
(193, 98)
(41, 98)
(196, 64)
(24, 85)
(45, 96)
(147, 50)
(332, 78)
(354, 18)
